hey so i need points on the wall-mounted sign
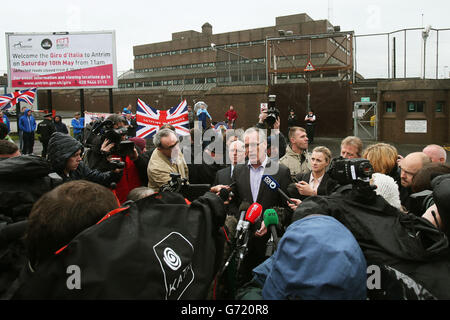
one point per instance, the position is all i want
(415, 126)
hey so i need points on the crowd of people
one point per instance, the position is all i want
(82, 180)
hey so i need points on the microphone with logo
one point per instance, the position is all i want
(252, 214)
(271, 221)
(273, 185)
(242, 209)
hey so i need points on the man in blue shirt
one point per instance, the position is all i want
(27, 124)
(78, 126)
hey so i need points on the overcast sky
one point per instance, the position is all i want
(139, 22)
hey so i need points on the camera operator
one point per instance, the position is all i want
(110, 148)
(64, 154)
(166, 159)
(408, 244)
(269, 119)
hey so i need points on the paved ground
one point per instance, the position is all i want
(334, 144)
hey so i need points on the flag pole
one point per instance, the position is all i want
(17, 117)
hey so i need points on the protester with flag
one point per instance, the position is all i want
(27, 124)
(150, 120)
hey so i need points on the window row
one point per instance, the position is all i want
(413, 106)
(202, 49)
(225, 79)
(160, 83)
(202, 65)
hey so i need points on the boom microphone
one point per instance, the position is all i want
(274, 186)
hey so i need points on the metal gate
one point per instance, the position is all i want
(365, 120)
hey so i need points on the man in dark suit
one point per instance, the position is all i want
(236, 153)
(249, 187)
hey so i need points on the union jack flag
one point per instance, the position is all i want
(149, 119)
(11, 99)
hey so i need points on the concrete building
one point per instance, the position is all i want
(194, 60)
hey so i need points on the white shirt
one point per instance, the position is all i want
(314, 183)
(255, 177)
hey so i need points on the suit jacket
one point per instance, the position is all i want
(325, 188)
(266, 197)
(223, 176)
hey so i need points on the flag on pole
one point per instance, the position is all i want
(149, 119)
(11, 99)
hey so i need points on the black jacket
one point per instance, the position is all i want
(23, 180)
(223, 176)
(61, 147)
(60, 126)
(388, 237)
(163, 249)
(45, 129)
(267, 199)
(326, 186)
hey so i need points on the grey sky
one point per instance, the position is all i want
(139, 22)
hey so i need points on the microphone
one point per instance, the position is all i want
(271, 221)
(252, 214)
(243, 209)
(274, 186)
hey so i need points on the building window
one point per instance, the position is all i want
(138, 84)
(188, 81)
(177, 81)
(129, 85)
(416, 106)
(147, 84)
(389, 106)
(156, 83)
(211, 80)
(199, 80)
(440, 106)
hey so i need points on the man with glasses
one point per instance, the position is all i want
(409, 166)
(249, 187)
(166, 159)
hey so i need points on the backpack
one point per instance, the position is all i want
(155, 248)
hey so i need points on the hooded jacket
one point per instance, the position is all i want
(60, 126)
(23, 180)
(317, 258)
(61, 147)
(27, 123)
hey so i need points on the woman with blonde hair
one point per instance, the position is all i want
(383, 158)
(318, 181)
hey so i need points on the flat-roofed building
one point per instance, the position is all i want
(201, 60)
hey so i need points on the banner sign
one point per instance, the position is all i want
(62, 60)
